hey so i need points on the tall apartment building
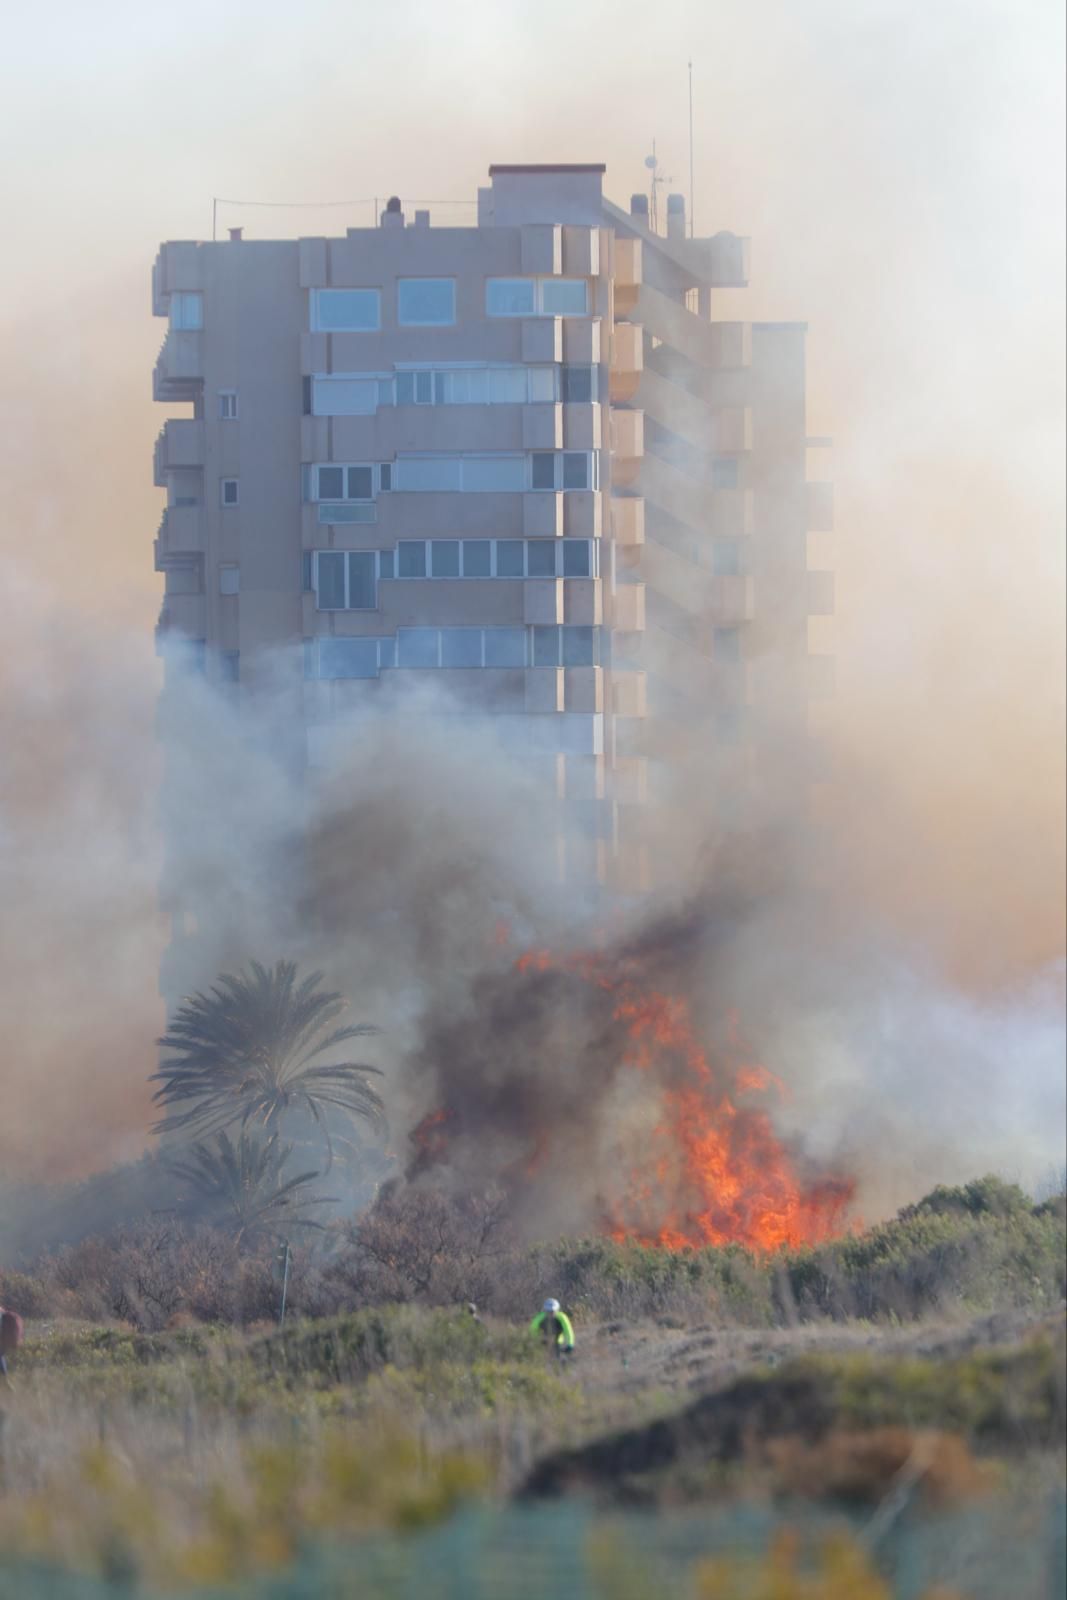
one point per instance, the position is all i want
(520, 459)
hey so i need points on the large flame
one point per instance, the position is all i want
(715, 1171)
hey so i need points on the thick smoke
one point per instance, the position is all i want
(899, 178)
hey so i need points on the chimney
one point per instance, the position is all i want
(235, 235)
(639, 208)
(676, 216)
(392, 216)
(422, 219)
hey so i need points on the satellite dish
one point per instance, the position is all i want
(650, 161)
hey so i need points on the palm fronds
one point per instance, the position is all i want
(243, 1187)
(249, 1051)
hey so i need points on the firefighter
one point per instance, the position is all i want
(551, 1322)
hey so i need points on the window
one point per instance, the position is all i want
(578, 645)
(227, 405)
(576, 560)
(564, 297)
(346, 310)
(564, 469)
(229, 491)
(426, 302)
(187, 311)
(330, 482)
(510, 558)
(505, 647)
(348, 658)
(385, 477)
(362, 580)
(575, 469)
(477, 558)
(545, 647)
(543, 470)
(331, 580)
(493, 473)
(461, 647)
(346, 580)
(229, 580)
(531, 297)
(411, 559)
(510, 297)
(542, 384)
(417, 647)
(726, 558)
(428, 473)
(444, 554)
(344, 397)
(725, 473)
(541, 558)
(578, 385)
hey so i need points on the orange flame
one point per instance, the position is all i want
(715, 1171)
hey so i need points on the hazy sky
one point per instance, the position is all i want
(899, 166)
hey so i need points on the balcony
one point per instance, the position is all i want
(541, 249)
(581, 251)
(542, 601)
(180, 532)
(542, 427)
(627, 445)
(582, 341)
(582, 513)
(582, 426)
(179, 369)
(544, 690)
(542, 339)
(182, 614)
(628, 520)
(820, 507)
(628, 608)
(629, 694)
(180, 444)
(583, 689)
(542, 515)
(627, 359)
(627, 274)
(583, 603)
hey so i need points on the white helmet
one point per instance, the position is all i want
(550, 1305)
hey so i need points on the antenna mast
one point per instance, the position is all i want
(690, 149)
(654, 182)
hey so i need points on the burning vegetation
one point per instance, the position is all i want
(576, 1071)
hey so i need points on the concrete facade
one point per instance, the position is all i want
(519, 458)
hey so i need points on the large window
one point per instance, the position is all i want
(346, 492)
(536, 297)
(425, 302)
(579, 385)
(355, 394)
(346, 310)
(433, 649)
(564, 469)
(497, 473)
(346, 580)
(187, 311)
(346, 396)
(349, 658)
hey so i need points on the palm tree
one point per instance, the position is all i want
(249, 1052)
(244, 1188)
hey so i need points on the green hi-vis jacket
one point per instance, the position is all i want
(565, 1333)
